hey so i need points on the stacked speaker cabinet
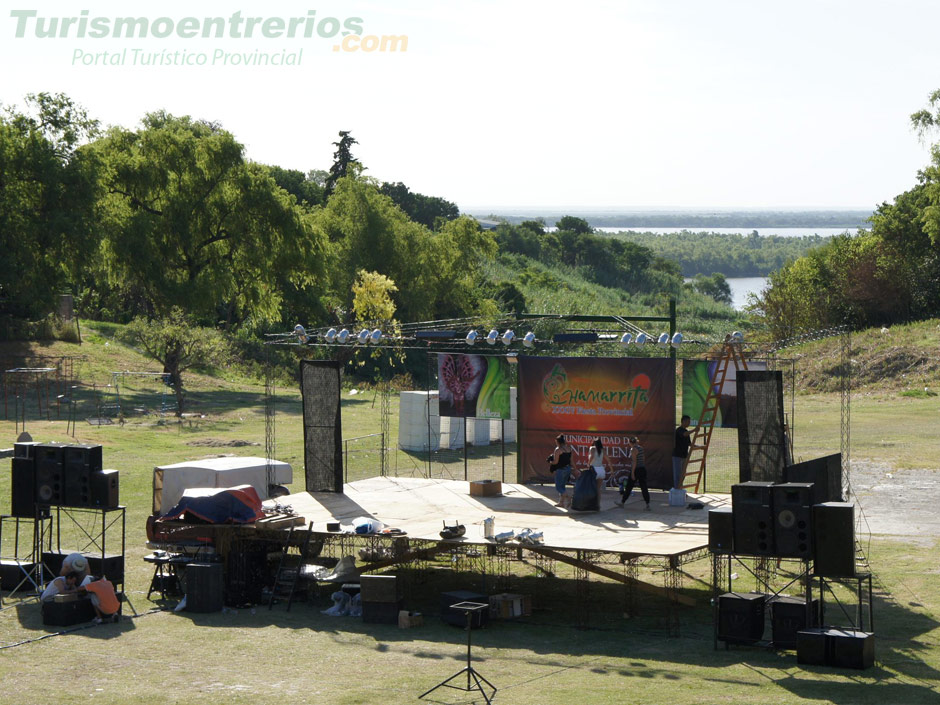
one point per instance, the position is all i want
(788, 616)
(825, 473)
(23, 485)
(834, 539)
(104, 489)
(793, 519)
(721, 530)
(80, 463)
(741, 617)
(50, 479)
(753, 518)
(381, 598)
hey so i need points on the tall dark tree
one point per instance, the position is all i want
(430, 211)
(342, 159)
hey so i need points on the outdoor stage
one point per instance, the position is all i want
(420, 508)
(611, 543)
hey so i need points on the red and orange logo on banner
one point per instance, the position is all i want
(584, 398)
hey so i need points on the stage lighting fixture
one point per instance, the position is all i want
(492, 337)
(642, 338)
(626, 339)
(677, 340)
(330, 335)
(300, 333)
(375, 336)
(342, 336)
(472, 337)
(737, 336)
(363, 336)
(507, 337)
(663, 339)
(529, 340)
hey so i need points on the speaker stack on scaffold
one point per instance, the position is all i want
(56, 474)
(834, 539)
(753, 518)
(793, 520)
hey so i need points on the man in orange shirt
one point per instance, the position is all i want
(103, 598)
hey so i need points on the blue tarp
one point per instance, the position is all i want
(224, 505)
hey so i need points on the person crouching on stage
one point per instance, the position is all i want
(637, 474)
(103, 598)
(61, 585)
(75, 563)
(560, 460)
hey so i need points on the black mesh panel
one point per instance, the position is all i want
(761, 442)
(323, 433)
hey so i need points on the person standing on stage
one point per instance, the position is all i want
(637, 474)
(560, 460)
(680, 450)
(597, 459)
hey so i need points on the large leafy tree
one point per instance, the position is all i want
(48, 192)
(430, 211)
(191, 223)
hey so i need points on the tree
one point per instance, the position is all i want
(343, 159)
(190, 223)
(372, 300)
(430, 211)
(715, 286)
(177, 344)
(574, 225)
(48, 193)
(308, 191)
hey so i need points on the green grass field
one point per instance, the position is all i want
(305, 657)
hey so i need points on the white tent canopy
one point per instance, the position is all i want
(170, 481)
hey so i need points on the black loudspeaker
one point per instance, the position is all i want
(793, 520)
(25, 450)
(68, 612)
(825, 473)
(459, 618)
(753, 518)
(834, 539)
(741, 617)
(110, 566)
(721, 530)
(246, 575)
(23, 486)
(382, 612)
(788, 615)
(50, 480)
(204, 587)
(87, 456)
(851, 649)
(104, 489)
(379, 588)
(77, 486)
(811, 647)
(842, 648)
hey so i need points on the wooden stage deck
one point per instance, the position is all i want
(420, 507)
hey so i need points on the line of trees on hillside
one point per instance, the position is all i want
(888, 274)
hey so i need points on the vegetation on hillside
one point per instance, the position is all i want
(887, 274)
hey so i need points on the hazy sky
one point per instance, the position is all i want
(645, 103)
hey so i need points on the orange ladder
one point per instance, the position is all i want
(693, 470)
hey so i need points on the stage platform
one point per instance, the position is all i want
(420, 508)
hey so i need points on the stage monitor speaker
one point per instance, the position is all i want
(793, 520)
(23, 486)
(825, 473)
(811, 647)
(205, 590)
(67, 612)
(50, 480)
(104, 489)
(753, 518)
(834, 539)
(721, 530)
(788, 616)
(87, 456)
(741, 617)
(459, 618)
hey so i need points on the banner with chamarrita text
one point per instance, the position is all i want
(473, 386)
(585, 398)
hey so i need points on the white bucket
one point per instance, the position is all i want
(489, 527)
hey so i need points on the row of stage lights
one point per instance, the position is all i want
(365, 336)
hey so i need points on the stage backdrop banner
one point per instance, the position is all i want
(473, 386)
(584, 398)
(696, 377)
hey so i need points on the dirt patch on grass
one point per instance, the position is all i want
(217, 443)
(898, 502)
